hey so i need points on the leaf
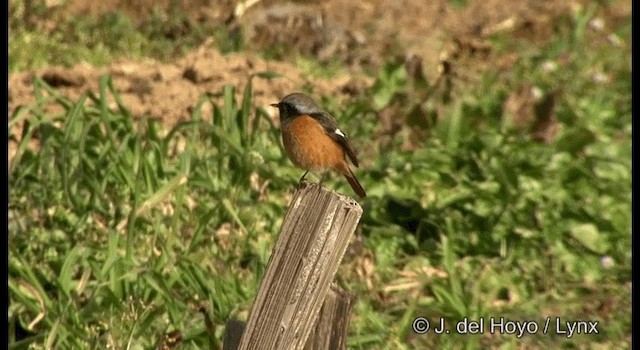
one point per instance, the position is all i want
(68, 268)
(589, 237)
(268, 74)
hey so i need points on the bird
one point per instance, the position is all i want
(313, 141)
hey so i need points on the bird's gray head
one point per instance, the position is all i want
(296, 104)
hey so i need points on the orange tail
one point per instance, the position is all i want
(357, 188)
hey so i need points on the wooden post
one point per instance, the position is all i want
(329, 333)
(314, 236)
(332, 325)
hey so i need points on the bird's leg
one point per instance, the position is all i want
(303, 175)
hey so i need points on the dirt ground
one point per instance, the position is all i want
(361, 34)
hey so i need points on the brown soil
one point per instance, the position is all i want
(362, 34)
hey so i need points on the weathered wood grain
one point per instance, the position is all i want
(332, 325)
(314, 236)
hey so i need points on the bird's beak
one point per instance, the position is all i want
(275, 105)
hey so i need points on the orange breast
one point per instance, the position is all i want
(309, 147)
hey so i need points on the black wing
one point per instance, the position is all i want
(330, 126)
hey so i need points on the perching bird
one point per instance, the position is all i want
(313, 141)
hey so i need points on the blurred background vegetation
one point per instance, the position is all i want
(497, 165)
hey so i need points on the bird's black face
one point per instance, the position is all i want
(286, 110)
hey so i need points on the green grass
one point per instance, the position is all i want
(99, 39)
(122, 232)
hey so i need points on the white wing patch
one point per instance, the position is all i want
(339, 132)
